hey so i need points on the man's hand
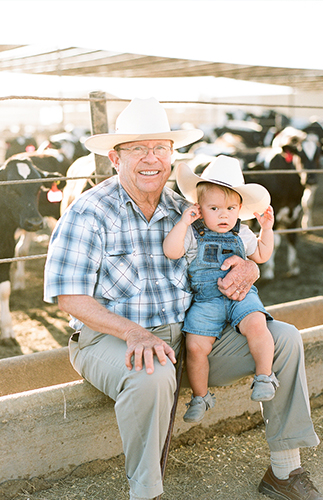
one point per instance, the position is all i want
(237, 283)
(143, 345)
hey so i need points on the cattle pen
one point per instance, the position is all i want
(98, 115)
(41, 396)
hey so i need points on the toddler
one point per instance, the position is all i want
(223, 199)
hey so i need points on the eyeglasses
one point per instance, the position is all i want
(160, 151)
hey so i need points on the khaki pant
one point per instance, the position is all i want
(144, 402)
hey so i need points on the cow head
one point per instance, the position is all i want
(19, 201)
(290, 138)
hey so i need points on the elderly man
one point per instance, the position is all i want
(127, 301)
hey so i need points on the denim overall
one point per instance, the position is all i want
(211, 311)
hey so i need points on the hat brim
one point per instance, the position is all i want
(101, 144)
(255, 197)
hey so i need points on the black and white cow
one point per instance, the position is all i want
(50, 195)
(71, 144)
(18, 208)
(20, 144)
(288, 153)
(82, 167)
(313, 147)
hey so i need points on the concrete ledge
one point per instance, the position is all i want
(303, 313)
(314, 334)
(49, 368)
(37, 370)
(70, 424)
(48, 412)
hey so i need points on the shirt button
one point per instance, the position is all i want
(163, 310)
(151, 255)
(157, 282)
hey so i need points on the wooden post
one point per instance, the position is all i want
(99, 119)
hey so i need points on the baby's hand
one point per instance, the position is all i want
(266, 220)
(191, 214)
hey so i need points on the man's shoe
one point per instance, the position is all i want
(297, 487)
(264, 387)
(198, 406)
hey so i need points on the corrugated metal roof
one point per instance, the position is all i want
(75, 61)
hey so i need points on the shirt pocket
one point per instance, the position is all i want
(120, 277)
(211, 254)
(175, 271)
(214, 255)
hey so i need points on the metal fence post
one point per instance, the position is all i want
(99, 121)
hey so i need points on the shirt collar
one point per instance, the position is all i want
(124, 197)
(166, 205)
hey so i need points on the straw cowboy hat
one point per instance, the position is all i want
(225, 171)
(142, 120)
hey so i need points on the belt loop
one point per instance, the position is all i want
(75, 336)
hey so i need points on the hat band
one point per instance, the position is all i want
(217, 182)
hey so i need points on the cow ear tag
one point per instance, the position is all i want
(54, 195)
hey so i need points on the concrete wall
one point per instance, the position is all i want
(47, 432)
(50, 431)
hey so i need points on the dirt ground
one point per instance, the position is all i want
(226, 462)
(217, 463)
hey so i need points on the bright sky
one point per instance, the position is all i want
(264, 32)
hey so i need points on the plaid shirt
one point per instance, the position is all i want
(104, 247)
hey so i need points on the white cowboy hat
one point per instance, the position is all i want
(225, 171)
(142, 120)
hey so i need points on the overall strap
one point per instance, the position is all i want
(236, 229)
(199, 227)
